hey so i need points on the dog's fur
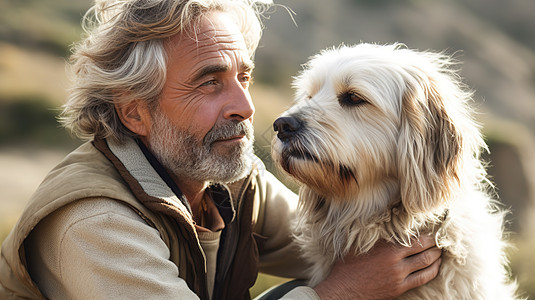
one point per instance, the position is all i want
(386, 147)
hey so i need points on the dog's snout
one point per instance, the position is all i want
(286, 127)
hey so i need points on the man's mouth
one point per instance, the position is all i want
(235, 138)
(230, 133)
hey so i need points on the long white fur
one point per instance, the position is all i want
(413, 155)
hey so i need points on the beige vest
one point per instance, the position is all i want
(94, 170)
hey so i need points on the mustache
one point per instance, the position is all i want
(227, 130)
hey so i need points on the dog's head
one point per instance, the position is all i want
(380, 122)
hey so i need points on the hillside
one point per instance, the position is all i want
(493, 40)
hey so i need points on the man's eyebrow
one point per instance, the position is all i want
(211, 69)
(247, 66)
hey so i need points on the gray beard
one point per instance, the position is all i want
(181, 153)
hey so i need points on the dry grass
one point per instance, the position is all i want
(28, 72)
(22, 171)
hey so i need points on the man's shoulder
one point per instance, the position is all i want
(83, 161)
(85, 171)
(93, 214)
(88, 208)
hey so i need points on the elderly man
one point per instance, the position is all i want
(166, 199)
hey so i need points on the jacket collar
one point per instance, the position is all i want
(143, 180)
(144, 173)
(162, 172)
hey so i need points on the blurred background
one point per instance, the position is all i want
(494, 40)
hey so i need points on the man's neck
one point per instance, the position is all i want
(205, 214)
(193, 190)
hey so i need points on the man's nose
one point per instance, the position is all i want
(240, 105)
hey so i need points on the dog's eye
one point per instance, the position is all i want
(351, 99)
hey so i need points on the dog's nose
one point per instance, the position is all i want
(286, 127)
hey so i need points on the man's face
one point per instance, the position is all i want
(202, 128)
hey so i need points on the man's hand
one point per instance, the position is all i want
(385, 272)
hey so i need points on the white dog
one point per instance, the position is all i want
(383, 141)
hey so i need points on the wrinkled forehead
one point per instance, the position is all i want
(216, 44)
(216, 31)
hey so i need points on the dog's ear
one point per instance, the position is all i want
(429, 147)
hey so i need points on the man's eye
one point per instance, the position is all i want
(245, 78)
(209, 82)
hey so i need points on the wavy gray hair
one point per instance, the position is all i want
(123, 57)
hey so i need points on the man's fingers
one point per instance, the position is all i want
(419, 245)
(422, 276)
(425, 241)
(423, 259)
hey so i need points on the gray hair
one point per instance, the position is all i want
(123, 56)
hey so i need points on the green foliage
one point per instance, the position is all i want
(51, 26)
(31, 121)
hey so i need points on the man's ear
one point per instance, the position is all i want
(135, 116)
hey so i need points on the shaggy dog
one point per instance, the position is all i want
(383, 140)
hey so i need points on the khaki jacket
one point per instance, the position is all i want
(121, 172)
